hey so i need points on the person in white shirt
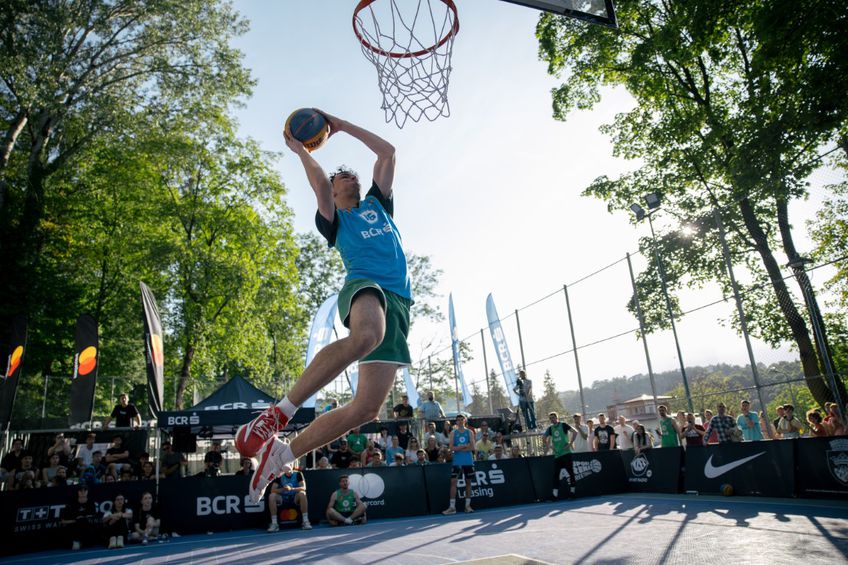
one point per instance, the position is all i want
(624, 433)
(85, 451)
(581, 439)
(497, 453)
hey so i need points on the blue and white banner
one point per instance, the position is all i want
(501, 348)
(320, 334)
(353, 377)
(457, 365)
(411, 391)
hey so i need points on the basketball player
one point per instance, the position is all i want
(373, 303)
(461, 444)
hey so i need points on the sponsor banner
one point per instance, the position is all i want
(30, 520)
(12, 369)
(388, 492)
(822, 466)
(653, 470)
(154, 351)
(200, 504)
(411, 391)
(227, 417)
(765, 468)
(495, 483)
(596, 473)
(320, 334)
(501, 348)
(86, 360)
(457, 362)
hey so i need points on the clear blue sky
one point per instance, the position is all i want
(492, 193)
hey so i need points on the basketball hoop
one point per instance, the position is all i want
(411, 52)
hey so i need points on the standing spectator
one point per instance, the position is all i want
(680, 418)
(484, 447)
(403, 410)
(624, 433)
(394, 449)
(462, 444)
(289, 489)
(80, 520)
(693, 433)
(61, 447)
(590, 423)
(723, 425)
(247, 467)
(343, 456)
(765, 427)
(116, 456)
(484, 429)
(430, 409)
(172, 462)
(776, 423)
(497, 453)
(331, 406)
(412, 450)
(442, 436)
(560, 437)
(213, 460)
(749, 423)
(147, 521)
(580, 443)
(817, 427)
(668, 430)
(125, 414)
(789, 427)
(404, 435)
(87, 449)
(524, 389)
(12, 461)
(116, 523)
(642, 440)
(833, 420)
(345, 506)
(431, 448)
(712, 438)
(604, 435)
(357, 441)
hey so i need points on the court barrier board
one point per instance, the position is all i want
(30, 520)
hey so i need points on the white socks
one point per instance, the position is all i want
(286, 407)
(453, 503)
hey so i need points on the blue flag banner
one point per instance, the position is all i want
(457, 365)
(320, 334)
(353, 375)
(501, 348)
(410, 388)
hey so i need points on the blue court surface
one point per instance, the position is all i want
(611, 529)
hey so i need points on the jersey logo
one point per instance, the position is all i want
(369, 216)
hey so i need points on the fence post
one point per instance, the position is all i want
(520, 342)
(576, 358)
(642, 329)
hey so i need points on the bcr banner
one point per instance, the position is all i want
(214, 504)
(653, 470)
(765, 468)
(496, 483)
(822, 466)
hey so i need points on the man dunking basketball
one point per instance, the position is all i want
(374, 304)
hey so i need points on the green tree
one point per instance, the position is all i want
(479, 401)
(735, 106)
(497, 392)
(550, 401)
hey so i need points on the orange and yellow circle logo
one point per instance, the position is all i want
(15, 361)
(87, 360)
(156, 349)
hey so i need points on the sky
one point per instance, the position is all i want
(492, 193)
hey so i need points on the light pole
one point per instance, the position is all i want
(653, 202)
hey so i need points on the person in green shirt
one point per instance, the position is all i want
(357, 441)
(345, 507)
(668, 430)
(560, 436)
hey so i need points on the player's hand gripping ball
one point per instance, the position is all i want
(308, 127)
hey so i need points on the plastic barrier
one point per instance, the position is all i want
(822, 467)
(654, 470)
(764, 468)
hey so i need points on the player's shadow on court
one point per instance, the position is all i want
(517, 521)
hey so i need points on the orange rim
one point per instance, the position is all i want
(405, 54)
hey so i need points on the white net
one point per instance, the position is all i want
(410, 44)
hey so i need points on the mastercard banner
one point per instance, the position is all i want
(86, 359)
(12, 369)
(154, 353)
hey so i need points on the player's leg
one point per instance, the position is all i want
(569, 466)
(334, 517)
(559, 464)
(274, 500)
(303, 503)
(455, 470)
(468, 471)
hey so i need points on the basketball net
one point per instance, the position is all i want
(411, 48)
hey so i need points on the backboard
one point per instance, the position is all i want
(595, 11)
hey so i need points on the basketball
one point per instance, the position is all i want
(309, 127)
(726, 489)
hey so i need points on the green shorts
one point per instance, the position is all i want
(393, 348)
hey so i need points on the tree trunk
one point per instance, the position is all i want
(185, 374)
(797, 324)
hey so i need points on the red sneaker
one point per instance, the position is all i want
(270, 466)
(253, 435)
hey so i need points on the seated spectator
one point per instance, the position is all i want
(789, 426)
(484, 446)
(148, 472)
(345, 507)
(403, 435)
(143, 458)
(442, 436)
(77, 468)
(47, 473)
(116, 456)
(99, 465)
(412, 450)
(109, 478)
(355, 464)
(26, 476)
(514, 451)
(498, 453)
(146, 522)
(126, 473)
(749, 423)
(61, 447)
(343, 456)
(394, 448)
(431, 448)
(498, 439)
(11, 461)
(324, 463)
(399, 461)
(445, 455)
(430, 431)
(116, 523)
(723, 425)
(87, 449)
(383, 442)
(376, 460)
(247, 467)
(642, 440)
(80, 519)
(171, 462)
(370, 452)
(421, 458)
(693, 434)
(357, 441)
(60, 479)
(817, 427)
(289, 489)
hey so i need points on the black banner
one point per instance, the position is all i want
(86, 358)
(13, 369)
(654, 470)
(596, 473)
(822, 467)
(154, 351)
(496, 483)
(765, 468)
(200, 504)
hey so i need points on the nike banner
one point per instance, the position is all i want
(763, 468)
(823, 468)
(320, 334)
(153, 351)
(501, 349)
(457, 362)
(86, 360)
(12, 369)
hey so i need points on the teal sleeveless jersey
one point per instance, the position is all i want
(460, 439)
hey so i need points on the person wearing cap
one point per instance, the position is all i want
(343, 456)
(289, 489)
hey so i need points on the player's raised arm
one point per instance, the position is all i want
(384, 168)
(317, 178)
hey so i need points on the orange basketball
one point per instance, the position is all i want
(309, 127)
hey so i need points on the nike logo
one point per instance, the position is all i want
(712, 472)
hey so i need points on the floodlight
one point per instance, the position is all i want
(652, 200)
(639, 211)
